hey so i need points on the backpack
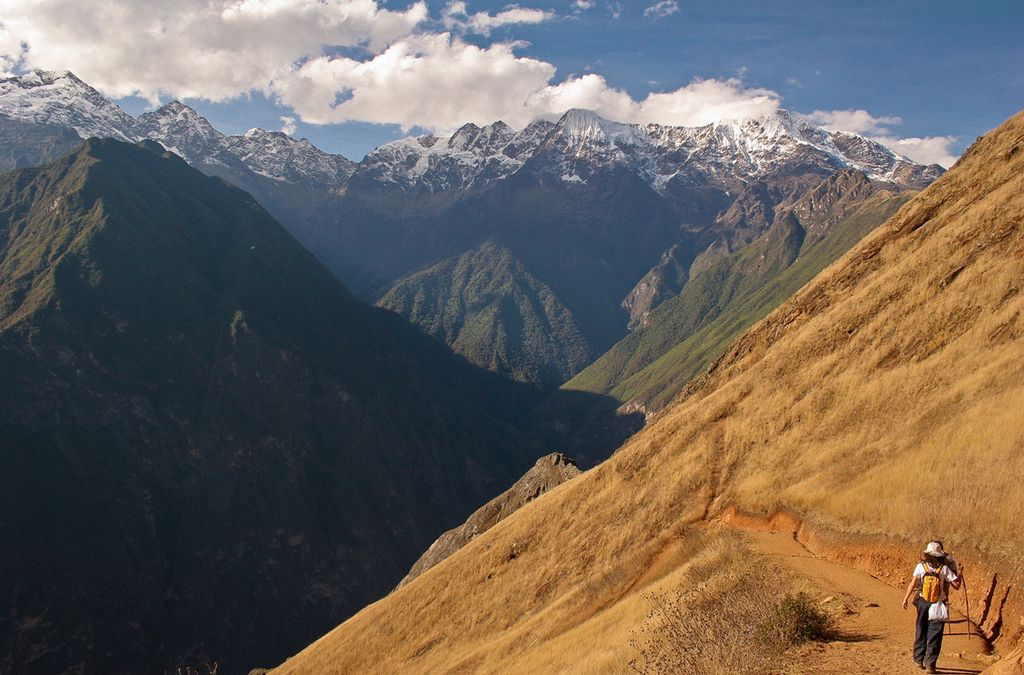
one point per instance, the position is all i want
(931, 584)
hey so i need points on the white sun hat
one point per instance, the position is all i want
(934, 548)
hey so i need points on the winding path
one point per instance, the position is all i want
(878, 635)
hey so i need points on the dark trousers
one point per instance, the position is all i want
(928, 636)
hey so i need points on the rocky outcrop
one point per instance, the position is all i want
(664, 281)
(548, 473)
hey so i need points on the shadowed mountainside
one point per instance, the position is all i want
(211, 450)
(549, 472)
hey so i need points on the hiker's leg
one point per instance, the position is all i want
(921, 629)
(935, 631)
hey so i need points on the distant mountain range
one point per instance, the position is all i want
(549, 243)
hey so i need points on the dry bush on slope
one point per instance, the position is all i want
(733, 615)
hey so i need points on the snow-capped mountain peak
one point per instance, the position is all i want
(585, 126)
(61, 99)
(582, 143)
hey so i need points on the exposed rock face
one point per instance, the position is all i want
(24, 144)
(664, 281)
(548, 473)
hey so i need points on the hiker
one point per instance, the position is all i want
(932, 576)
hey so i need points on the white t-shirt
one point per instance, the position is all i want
(943, 572)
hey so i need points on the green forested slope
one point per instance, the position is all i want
(490, 309)
(689, 331)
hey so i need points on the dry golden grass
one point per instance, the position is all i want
(886, 397)
(733, 612)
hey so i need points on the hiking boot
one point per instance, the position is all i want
(919, 665)
(931, 669)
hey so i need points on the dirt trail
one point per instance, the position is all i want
(877, 639)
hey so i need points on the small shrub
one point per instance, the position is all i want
(797, 619)
(731, 617)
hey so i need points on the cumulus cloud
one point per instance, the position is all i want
(584, 5)
(288, 124)
(456, 17)
(928, 150)
(434, 81)
(661, 9)
(452, 82)
(698, 103)
(212, 49)
(855, 121)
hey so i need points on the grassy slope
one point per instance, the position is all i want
(490, 309)
(687, 333)
(906, 353)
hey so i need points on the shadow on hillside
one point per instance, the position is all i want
(585, 426)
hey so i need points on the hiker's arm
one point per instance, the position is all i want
(910, 591)
(957, 580)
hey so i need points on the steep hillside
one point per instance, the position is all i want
(686, 333)
(211, 450)
(884, 399)
(492, 311)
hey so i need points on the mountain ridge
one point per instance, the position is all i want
(195, 408)
(60, 93)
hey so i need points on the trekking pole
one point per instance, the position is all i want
(967, 602)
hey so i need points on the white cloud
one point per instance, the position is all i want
(615, 9)
(287, 124)
(661, 9)
(456, 17)
(434, 81)
(584, 5)
(855, 121)
(452, 82)
(696, 104)
(928, 150)
(212, 49)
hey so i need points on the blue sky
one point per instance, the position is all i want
(917, 70)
